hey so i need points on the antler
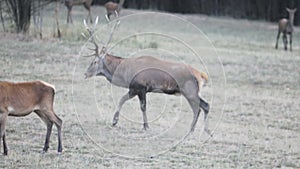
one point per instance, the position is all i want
(91, 37)
(112, 32)
(116, 14)
(110, 35)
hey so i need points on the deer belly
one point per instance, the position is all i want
(12, 111)
(166, 86)
(155, 80)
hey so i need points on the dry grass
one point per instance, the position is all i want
(256, 127)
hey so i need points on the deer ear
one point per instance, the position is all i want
(288, 9)
(295, 9)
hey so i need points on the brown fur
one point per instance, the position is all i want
(20, 99)
(149, 74)
(200, 76)
(112, 8)
(286, 27)
(70, 3)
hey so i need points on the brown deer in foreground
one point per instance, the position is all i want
(70, 3)
(148, 74)
(20, 99)
(286, 26)
(113, 8)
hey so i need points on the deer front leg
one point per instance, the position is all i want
(2, 131)
(284, 38)
(142, 98)
(126, 97)
(4, 144)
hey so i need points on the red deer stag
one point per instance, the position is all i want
(286, 26)
(148, 74)
(70, 3)
(20, 99)
(113, 8)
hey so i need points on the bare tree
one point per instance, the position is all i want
(21, 14)
(70, 3)
(56, 18)
(21, 11)
(1, 15)
(38, 18)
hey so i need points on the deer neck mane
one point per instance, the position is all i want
(291, 20)
(110, 63)
(290, 24)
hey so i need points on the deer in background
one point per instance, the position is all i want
(20, 99)
(148, 74)
(70, 3)
(113, 8)
(286, 26)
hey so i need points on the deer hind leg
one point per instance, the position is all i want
(291, 37)
(49, 117)
(88, 7)
(48, 134)
(124, 98)
(190, 91)
(284, 39)
(58, 124)
(194, 103)
(49, 124)
(3, 118)
(142, 98)
(205, 106)
(278, 35)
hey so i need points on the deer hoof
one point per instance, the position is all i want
(208, 132)
(146, 127)
(115, 122)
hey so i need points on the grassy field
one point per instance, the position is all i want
(253, 91)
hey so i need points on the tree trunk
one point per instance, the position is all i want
(21, 13)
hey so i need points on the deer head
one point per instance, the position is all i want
(291, 14)
(97, 67)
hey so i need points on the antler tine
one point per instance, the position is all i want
(112, 32)
(96, 21)
(89, 55)
(107, 19)
(117, 13)
(91, 35)
(84, 23)
(84, 35)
